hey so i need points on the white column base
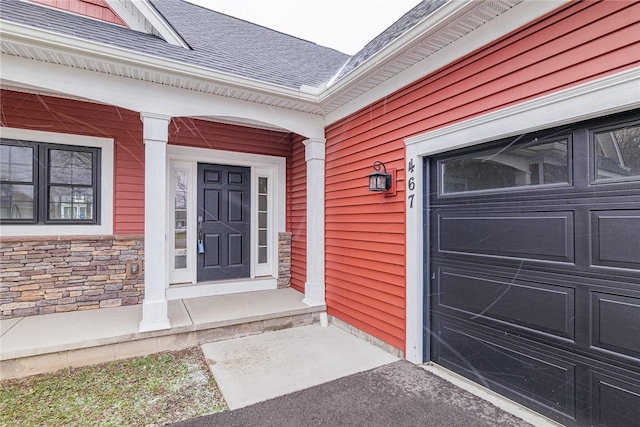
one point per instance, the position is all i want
(154, 316)
(314, 294)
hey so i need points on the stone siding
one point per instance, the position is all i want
(43, 275)
(284, 260)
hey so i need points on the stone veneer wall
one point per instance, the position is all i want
(42, 275)
(284, 260)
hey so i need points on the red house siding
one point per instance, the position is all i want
(365, 232)
(44, 113)
(97, 9)
(297, 214)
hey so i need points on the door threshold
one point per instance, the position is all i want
(220, 287)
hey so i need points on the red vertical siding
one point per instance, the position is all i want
(365, 232)
(298, 214)
(98, 9)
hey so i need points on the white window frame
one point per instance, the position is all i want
(274, 168)
(106, 146)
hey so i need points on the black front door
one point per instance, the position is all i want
(224, 204)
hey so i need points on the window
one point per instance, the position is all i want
(263, 222)
(180, 179)
(43, 183)
(533, 163)
(617, 153)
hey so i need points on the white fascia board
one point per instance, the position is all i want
(385, 55)
(12, 32)
(509, 21)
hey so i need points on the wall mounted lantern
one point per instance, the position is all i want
(380, 181)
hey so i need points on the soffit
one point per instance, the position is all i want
(451, 22)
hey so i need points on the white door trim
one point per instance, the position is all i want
(274, 168)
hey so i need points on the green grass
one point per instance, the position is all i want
(152, 390)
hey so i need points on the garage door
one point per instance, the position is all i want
(534, 273)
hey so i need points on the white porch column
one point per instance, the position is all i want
(154, 308)
(314, 286)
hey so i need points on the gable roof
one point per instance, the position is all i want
(217, 41)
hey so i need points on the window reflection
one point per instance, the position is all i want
(535, 163)
(617, 153)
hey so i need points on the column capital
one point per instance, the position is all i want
(314, 148)
(155, 127)
(145, 115)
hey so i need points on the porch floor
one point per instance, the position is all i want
(37, 344)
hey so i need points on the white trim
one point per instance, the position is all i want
(106, 184)
(156, 20)
(23, 34)
(608, 95)
(220, 288)
(261, 165)
(266, 269)
(184, 275)
(314, 287)
(126, 15)
(510, 20)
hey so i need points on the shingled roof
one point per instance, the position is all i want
(218, 42)
(401, 26)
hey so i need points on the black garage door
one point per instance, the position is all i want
(534, 277)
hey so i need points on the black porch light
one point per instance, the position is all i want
(379, 181)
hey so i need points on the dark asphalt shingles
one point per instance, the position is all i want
(398, 394)
(218, 42)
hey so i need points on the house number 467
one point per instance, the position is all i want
(411, 183)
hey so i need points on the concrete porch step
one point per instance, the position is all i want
(40, 344)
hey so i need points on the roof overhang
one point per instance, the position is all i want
(451, 32)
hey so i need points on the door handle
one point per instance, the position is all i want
(200, 235)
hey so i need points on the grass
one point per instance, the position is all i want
(153, 390)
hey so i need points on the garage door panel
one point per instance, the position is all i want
(615, 238)
(536, 307)
(518, 372)
(615, 402)
(535, 289)
(527, 235)
(616, 324)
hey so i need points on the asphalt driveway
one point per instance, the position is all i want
(396, 394)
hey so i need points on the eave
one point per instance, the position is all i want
(47, 46)
(452, 31)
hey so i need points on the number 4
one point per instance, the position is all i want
(411, 166)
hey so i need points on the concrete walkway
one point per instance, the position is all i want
(396, 394)
(260, 367)
(39, 344)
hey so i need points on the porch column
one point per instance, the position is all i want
(154, 307)
(314, 286)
